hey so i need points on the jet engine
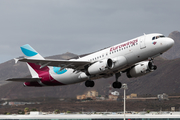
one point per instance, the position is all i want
(119, 62)
(99, 67)
(141, 69)
(106, 64)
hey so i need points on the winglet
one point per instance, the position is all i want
(16, 60)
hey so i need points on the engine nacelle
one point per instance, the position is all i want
(141, 69)
(99, 67)
(119, 62)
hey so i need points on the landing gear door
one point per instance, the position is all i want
(142, 42)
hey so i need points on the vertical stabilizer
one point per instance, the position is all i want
(30, 53)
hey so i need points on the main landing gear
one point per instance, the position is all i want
(89, 83)
(117, 84)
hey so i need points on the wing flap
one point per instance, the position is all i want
(23, 79)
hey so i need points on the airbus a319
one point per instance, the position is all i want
(133, 57)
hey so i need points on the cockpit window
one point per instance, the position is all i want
(161, 36)
(156, 37)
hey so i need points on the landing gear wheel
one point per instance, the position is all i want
(92, 84)
(117, 84)
(154, 67)
(89, 83)
(114, 85)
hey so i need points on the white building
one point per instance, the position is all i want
(115, 93)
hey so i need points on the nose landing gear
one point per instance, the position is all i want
(151, 64)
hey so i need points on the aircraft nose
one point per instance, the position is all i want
(170, 42)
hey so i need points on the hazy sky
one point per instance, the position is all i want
(80, 26)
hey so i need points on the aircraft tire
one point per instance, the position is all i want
(114, 85)
(155, 67)
(117, 84)
(92, 84)
(89, 83)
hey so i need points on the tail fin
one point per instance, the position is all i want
(30, 53)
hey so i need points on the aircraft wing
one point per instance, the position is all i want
(23, 79)
(74, 64)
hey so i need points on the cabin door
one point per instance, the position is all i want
(142, 42)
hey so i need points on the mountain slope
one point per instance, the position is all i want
(174, 52)
(164, 80)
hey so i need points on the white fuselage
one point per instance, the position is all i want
(131, 52)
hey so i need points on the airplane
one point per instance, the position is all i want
(133, 57)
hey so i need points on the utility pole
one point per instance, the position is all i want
(125, 87)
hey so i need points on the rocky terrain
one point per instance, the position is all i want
(174, 52)
(51, 104)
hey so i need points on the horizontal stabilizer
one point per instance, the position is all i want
(23, 79)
